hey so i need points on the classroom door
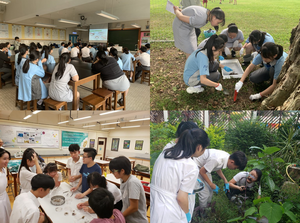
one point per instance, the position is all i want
(73, 38)
(101, 148)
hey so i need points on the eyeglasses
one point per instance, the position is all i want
(84, 157)
(253, 177)
(114, 171)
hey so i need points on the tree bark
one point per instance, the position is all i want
(286, 96)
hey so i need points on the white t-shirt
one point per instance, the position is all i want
(241, 178)
(25, 179)
(25, 209)
(115, 191)
(85, 52)
(65, 50)
(75, 168)
(74, 52)
(144, 58)
(213, 160)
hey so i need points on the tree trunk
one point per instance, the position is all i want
(286, 96)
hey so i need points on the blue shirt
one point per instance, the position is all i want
(196, 63)
(60, 49)
(69, 48)
(18, 69)
(148, 51)
(268, 38)
(120, 63)
(277, 64)
(50, 60)
(9, 53)
(127, 61)
(85, 171)
(93, 51)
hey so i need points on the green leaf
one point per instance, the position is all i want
(291, 215)
(259, 166)
(255, 147)
(278, 159)
(250, 220)
(174, 88)
(271, 150)
(260, 155)
(250, 211)
(271, 211)
(244, 221)
(235, 219)
(287, 206)
(263, 199)
(270, 183)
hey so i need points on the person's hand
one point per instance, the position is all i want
(255, 96)
(221, 58)
(85, 208)
(238, 86)
(71, 178)
(254, 54)
(228, 69)
(188, 216)
(219, 87)
(226, 187)
(80, 206)
(227, 51)
(235, 43)
(41, 218)
(79, 196)
(176, 8)
(241, 188)
(73, 189)
(44, 60)
(34, 157)
(241, 51)
(216, 189)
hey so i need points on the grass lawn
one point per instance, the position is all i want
(167, 62)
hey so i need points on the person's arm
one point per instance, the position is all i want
(39, 70)
(232, 184)
(220, 173)
(78, 185)
(247, 72)
(41, 218)
(56, 180)
(36, 163)
(133, 207)
(81, 195)
(183, 200)
(207, 82)
(270, 89)
(180, 16)
(81, 205)
(205, 177)
(70, 178)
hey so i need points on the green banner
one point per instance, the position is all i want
(79, 138)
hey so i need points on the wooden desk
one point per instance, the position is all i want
(62, 162)
(102, 164)
(12, 62)
(15, 176)
(142, 174)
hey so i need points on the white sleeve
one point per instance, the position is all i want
(211, 165)
(33, 217)
(189, 180)
(68, 164)
(239, 176)
(59, 176)
(27, 175)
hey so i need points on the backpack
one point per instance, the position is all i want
(141, 168)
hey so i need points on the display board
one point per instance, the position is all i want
(126, 38)
(24, 137)
(80, 138)
(98, 35)
(4, 30)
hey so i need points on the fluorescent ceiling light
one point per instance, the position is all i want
(110, 123)
(86, 126)
(107, 128)
(82, 118)
(63, 122)
(82, 29)
(4, 1)
(135, 126)
(106, 113)
(28, 116)
(107, 15)
(69, 21)
(35, 112)
(136, 25)
(43, 24)
(141, 119)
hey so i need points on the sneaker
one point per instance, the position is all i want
(232, 53)
(121, 102)
(192, 90)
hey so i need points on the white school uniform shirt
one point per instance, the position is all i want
(65, 50)
(25, 209)
(241, 178)
(74, 52)
(75, 168)
(168, 177)
(5, 208)
(212, 160)
(144, 58)
(115, 191)
(25, 179)
(85, 52)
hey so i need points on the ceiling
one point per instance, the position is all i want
(54, 117)
(26, 11)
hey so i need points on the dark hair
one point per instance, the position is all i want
(100, 48)
(184, 126)
(114, 53)
(219, 14)
(224, 37)
(27, 155)
(239, 159)
(46, 50)
(42, 181)
(143, 49)
(119, 163)
(63, 59)
(2, 151)
(125, 50)
(84, 44)
(213, 41)
(269, 50)
(187, 142)
(74, 147)
(95, 179)
(22, 50)
(147, 45)
(16, 38)
(69, 43)
(90, 45)
(104, 47)
(50, 167)
(76, 44)
(102, 202)
(66, 45)
(232, 28)
(102, 57)
(2, 45)
(258, 172)
(257, 35)
(32, 47)
(7, 43)
(34, 55)
(62, 43)
(91, 152)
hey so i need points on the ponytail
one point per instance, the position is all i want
(22, 51)
(63, 59)
(269, 50)
(95, 179)
(125, 50)
(27, 155)
(34, 55)
(114, 53)
(102, 57)
(219, 14)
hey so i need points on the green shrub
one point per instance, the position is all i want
(216, 136)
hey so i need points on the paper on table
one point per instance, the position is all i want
(169, 7)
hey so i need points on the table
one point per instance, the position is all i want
(142, 174)
(101, 163)
(69, 206)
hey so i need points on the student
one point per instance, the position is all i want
(92, 52)
(25, 175)
(74, 165)
(65, 49)
(102, 203)
(59, 89)
(31, 85)
(85, 53)
(8, 49)
(253, 44)
(169, 190)
(235, 38)
(74, 52)
(33, 47)
(144, 59)
(22, 56)
(216, 160)
(16, 44)
(243, 183)
(62, 45)
(113, 78)
(127, 59)
(114, 53)
(3, 67)
(190, 18)
(196, 70)
(26, 205)
(95, 180)
(273, 58)
(5, 208)
(104, 47)
(52, 171)
(47, 51)
(147, 45)
(89, 166)
(70, 46)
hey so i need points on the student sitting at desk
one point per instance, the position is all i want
(134, 201)
(33, 47)
(113, 78)
(20, 60)
(46, 53)
(74, 52)
(101, 201)
(144, 59)
(92, 52)
(70, 46)
(74, 165)
(127, 59)
(52, 171)
(62, 45)
(85, 53)
(59, 89)
(65, 49)
(148, 48)
(3, 67)
(26, 205)
(113, 52)
(7, 44)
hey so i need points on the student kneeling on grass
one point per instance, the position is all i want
(89, 166)
(133, 194)
(26, 205)
(102, 203)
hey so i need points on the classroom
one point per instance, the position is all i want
(52, 138)
(83, 29)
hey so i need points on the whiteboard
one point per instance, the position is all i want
(14, 136)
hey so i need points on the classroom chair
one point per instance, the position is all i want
(106, 94)
(127, 73)
(145, 76)
(1, 79)
(115, 96)
(34, 104)
(18, 102)
(56, 105)
(95, 101)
